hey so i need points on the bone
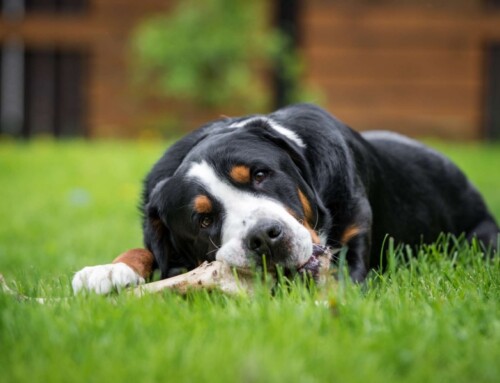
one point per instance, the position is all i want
(318, 265)
(219, 275)
(216, 275)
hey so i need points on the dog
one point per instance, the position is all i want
(238, 189)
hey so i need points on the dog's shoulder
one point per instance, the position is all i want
(403, 153)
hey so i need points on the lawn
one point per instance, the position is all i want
(67, 205)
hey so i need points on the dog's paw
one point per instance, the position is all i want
(103, 279)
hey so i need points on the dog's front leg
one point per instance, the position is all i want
(131, 268)
(356, 236)
(357, 257)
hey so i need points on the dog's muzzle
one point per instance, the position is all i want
(268, 238)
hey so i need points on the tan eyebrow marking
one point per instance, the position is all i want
(202, 204)
(240, 174)
(349, 233)
(306, 206)
(314, 235)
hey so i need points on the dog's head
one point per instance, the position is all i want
(241, 193)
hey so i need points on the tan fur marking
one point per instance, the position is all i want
(202, 204)
(292, 213)
(140, 260)
(349, 233)
(240, 174)
(306, 206)
(314, 236)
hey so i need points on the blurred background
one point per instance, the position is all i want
(159, 68)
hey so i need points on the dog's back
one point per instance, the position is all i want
(427, 188)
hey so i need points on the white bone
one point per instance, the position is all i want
(219, 275)
(216, 275)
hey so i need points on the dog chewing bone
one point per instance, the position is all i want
(219, 275)
(216, 275)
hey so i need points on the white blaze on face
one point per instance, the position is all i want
(243, 210)
(291, 135)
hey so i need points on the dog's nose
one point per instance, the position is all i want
(265, 237)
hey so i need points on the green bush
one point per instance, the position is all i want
(211, 52)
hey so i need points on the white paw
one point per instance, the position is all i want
(103, 279)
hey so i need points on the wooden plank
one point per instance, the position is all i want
(133, 5)
(382, 16)
(350, 113)
(405, 38)
(414, 125)
(332, 80)
(420, 97)
(410, 69)
(440, 4)
(393, 64)
(52, 30)
(395, 26)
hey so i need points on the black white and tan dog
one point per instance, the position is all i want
(240, 188)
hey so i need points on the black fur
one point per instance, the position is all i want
(380, 186)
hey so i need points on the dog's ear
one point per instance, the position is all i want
(157, 238)
(168, 164)
(265, 131)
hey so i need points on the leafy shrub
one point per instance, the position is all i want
(210, 52)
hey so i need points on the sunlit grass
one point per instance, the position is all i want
(66, 205)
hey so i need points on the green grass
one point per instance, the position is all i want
(67, 205)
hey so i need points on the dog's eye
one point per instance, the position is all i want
(206, 221)
(260, 176)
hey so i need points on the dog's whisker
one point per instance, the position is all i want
(211, 251)
(317, 221)
(213, 243)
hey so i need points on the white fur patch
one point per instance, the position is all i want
(242, 211)
(274, 125)
(103, 279)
